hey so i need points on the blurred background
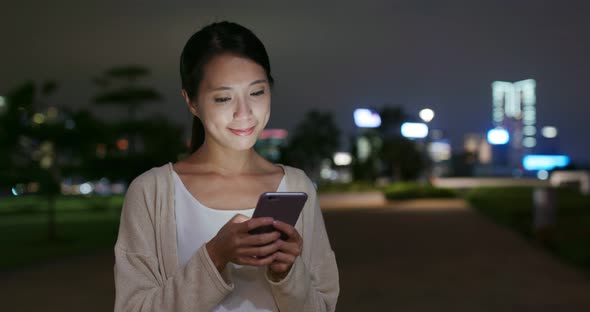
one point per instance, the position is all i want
(447, 140)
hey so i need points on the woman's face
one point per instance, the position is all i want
(233, 101)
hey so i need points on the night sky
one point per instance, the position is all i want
(438, 54)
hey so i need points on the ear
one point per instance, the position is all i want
(191, 105)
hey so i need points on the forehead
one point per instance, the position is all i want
(229, 70)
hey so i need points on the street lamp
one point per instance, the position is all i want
(426, 114)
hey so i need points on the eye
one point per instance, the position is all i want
(257, 93)
(222, 99)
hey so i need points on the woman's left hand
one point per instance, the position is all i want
(288, 251)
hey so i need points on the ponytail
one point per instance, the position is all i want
(197, 135)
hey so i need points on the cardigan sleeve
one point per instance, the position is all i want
(312, 286)
(139, 279)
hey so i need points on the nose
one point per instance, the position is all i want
(243, 109)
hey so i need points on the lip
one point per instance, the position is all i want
(242, 132)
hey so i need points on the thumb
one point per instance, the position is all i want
(239, 218)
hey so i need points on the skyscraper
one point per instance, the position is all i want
(514, 110)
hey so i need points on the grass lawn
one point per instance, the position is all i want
(84, 225)
(569, 238)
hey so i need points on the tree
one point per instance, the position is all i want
(400, 156)
(366, 147)
(120, 89)
(29, 138)
(315, 138)
(403, 157)
(15, 133)
(392, 117)
(161, 141)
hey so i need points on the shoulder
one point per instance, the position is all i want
(149, 179)
(294, 172)
(143, 194)
(298, 179)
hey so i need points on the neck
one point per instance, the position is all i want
(224, 161)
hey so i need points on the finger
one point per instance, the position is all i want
(239, 218)
(259, 239)
(287, 229)
(290, 248)
(282, 257)
(259, 252)
(256, 222)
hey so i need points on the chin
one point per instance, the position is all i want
(243, 144)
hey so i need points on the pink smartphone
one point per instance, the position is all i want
(283, 206)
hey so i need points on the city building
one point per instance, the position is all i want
(514, 110)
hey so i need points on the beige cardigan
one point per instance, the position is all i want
(148, 276)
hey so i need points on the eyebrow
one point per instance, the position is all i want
(251, 84)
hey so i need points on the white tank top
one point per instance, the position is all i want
(197, 224)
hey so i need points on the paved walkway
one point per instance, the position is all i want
(441, 256)
(411, 256)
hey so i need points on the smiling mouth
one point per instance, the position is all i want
(242, 132)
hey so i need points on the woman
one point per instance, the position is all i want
(183, 242)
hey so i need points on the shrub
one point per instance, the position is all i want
(410, 190)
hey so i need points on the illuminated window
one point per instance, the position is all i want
(366, 118)
(498, 136)
(414, 130)
(544, 162)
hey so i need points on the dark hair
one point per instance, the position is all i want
(202, 46)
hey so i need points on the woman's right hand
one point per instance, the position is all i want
(234, 244)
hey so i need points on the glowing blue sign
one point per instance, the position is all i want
(544, 162)
(366, 118)
(498, 136)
